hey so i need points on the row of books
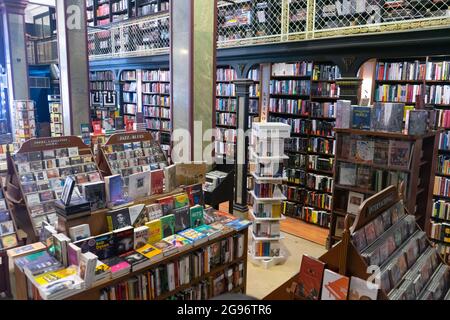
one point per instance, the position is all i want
(152, 111)
(103, 10)
(319, 163)
(443, 164)
(224, 104)
(299, 69)
(440, 231)
(101, 76)
(398, 93)
(325, 89)
(157, 282)
(307, 197)
(368, 178)
(444, 141)
(225, 148)
(128, 75)
(438, 71)
(129, 86)
(443, 118)
(226, 74)
(409, 71)
(228, 135)
(437, 94)
(227, 119)
(266, 229)
(121, 5)
(267, 210)
(102, 86)
(441, 186)
(155, 75)
(290, 87)
(308, 214)
(225, 89)
(129, 97)
(266, 249)
(254, 90)
(266, 190)
(326, 72)
(441, 210)
(322, 145)
(302, 107)
(154, 88)
(156, 100)
(254, 74)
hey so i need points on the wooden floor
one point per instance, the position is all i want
(299, 229)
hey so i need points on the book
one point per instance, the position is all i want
(361, 117)
(166, 248)
(194, 236)
(399, 154)
(364, 150)
(150, 252)
(157, 181)
(119, 267)
(355, 200)
(139, 185)
(104, 246)
(73, 254)
(41, 264)
(118, 219)
(95, 193)
(182, 219)
(381, 152)
(195, 194)
(208, 231)
(362, 290)
(196, 216)
(9, 241)
(86, 268)
(393, 117)
(154, 211)
(26, 250)
(136, 260)
(123, 240)
(60, 242)
(138, 215)
(114, 189)
(416, 122)
(52, 276)
(79, 232)
(141, 236)
(347, 174)
(170, 178)
(178, 241)
(310, 278)
(181, 200)
(154, 231)
(343, 114)
(335, 286)
(167, 225)
(102, 273)
(167, 205)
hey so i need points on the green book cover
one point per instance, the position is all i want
(168, 225)
(181, 200)
(196, 216)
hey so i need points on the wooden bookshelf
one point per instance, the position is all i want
(95, 292)
(419, 174)
(318, 79)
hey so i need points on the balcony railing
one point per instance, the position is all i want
(42, 51)
(255, 22)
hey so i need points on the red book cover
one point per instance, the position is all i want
(97, 127)
(157, 177)
(310, 278)
(129, 125)
(167, 204)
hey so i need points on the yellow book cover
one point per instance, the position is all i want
(276, 210)
(154, 231)
(53, 276)
(149, 251)
(181, 200)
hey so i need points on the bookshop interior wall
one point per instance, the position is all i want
(346, 165)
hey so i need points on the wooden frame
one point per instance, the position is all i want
(14, 192)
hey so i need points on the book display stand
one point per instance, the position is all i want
(36, 175)
(129, 153)
(368, 161)
(385, 236)
(56, 116)
(267, 151)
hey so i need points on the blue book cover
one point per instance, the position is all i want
(361, 118)
(238, 224)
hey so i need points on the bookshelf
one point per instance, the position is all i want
(25, 120)
(103, 100)
(303, 94)
(156, 105)
(215, 275)
(129, 98)
(104, 12)
(225, 110)
(356, 180)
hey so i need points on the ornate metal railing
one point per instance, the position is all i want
(254, 22)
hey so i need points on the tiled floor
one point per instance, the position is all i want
(261, 281)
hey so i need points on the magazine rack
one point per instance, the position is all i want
(14, 192)
(344, 258)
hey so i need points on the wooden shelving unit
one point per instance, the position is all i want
(418, 175)
(304, 110)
